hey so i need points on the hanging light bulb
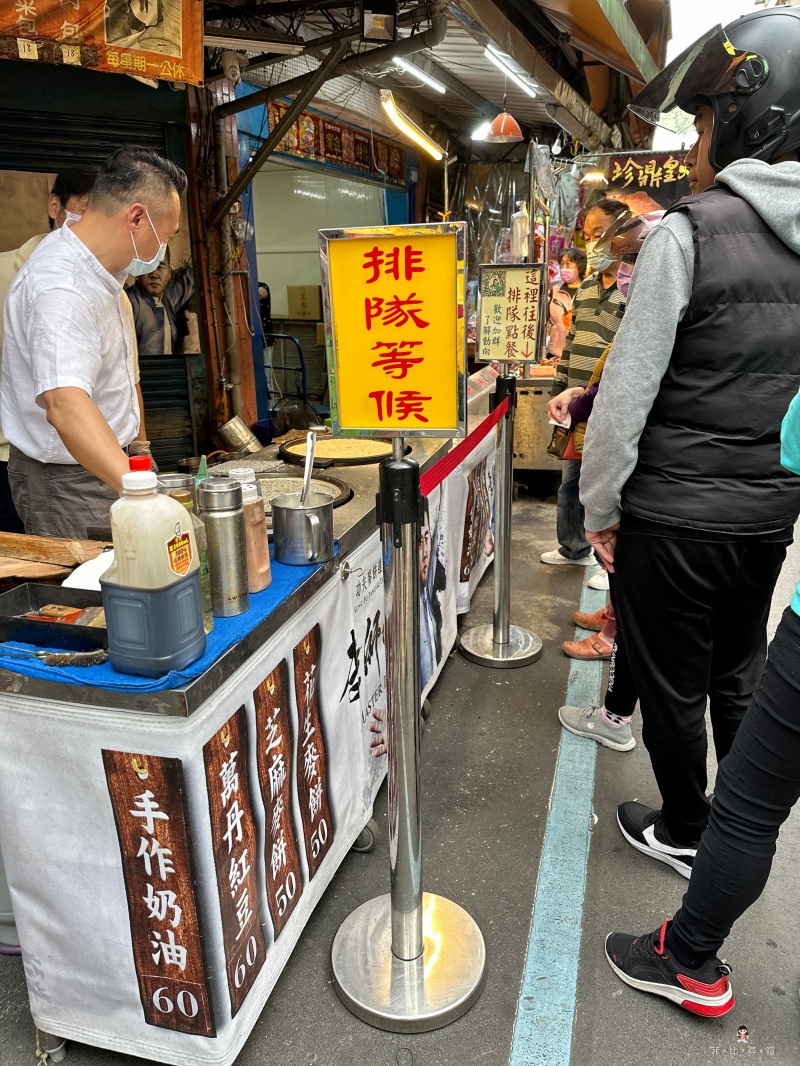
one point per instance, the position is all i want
(504, 129)
(556, 148)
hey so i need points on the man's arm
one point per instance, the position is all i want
(659, 295)
(86, 435)
(180, 287)
(561, 380)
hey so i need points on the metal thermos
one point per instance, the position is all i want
(223, 516)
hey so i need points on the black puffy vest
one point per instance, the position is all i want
(709, 456)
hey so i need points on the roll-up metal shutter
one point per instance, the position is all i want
(42, 141)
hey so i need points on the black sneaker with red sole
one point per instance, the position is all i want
(642, 962)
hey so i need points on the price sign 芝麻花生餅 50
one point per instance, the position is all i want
(394, 317)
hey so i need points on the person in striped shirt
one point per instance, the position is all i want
(596, 315)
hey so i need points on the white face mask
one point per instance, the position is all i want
(137, 266)
(596, 261)
(71, 216)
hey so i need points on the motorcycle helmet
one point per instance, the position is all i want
(749, 72)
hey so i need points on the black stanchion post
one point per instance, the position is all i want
(406, 962)
(501, 644)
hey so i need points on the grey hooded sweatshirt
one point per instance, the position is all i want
(659, 295)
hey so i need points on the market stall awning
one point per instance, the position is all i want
(628, 37)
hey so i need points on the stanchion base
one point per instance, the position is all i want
(523, 647)
(409, 997)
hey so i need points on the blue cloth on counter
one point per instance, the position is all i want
(226, 633)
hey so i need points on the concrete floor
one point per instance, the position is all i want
(489, 757)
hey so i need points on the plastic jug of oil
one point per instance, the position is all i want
(151, 593)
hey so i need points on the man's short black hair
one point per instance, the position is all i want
(77, 182)
(610, 207)
(578, 257)
(136, 174)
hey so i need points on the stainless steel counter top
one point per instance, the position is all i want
(353, 522)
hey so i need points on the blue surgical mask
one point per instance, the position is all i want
(137, 266)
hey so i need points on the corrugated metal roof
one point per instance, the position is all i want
(460, 54)
(464, 57)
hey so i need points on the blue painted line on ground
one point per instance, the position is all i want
(546, 1007)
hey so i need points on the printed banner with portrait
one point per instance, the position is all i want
(156, 39)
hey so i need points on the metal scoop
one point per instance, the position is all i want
(311, 441)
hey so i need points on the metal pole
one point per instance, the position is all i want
(406, 962)
(501, 644)
(503, 493)
(399, 487)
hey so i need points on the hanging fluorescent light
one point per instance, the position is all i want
(501, 64)
(221, 37)
(481, 132)
(409, 128)
(410, 68)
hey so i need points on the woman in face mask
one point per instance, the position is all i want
(572, 268)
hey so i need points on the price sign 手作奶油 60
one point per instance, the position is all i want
(394, 317)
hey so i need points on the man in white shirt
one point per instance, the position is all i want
(68, 399)
(68, 199)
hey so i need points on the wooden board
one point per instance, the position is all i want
(52, 550)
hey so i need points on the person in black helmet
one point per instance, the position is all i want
(698, 509)
(681, 482)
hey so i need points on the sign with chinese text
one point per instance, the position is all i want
(235, 855)
(161, 39)
(312, 758)
(318, 139)
(647, 181)
(274, 757)
(147, 794)
(509, 312)
(394, 316)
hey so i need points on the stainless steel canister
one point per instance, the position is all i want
(236, 434)
(168, 483)
(302, 535)
(221, 510)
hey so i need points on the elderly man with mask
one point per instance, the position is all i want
(67, 200)
(68, 399)
(158, 298)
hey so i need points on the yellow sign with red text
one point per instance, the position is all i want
(397, 315)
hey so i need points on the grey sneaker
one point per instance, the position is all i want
(588, 722)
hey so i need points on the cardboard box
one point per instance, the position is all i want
(305, 302)
(321, 334)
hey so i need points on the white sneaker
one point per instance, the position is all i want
(599, 581)
(557, 559)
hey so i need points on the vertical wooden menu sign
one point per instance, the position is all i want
(274, 757)
(234, 834)
(148, 798)
(312, 762)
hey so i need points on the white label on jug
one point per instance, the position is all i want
(180, 551)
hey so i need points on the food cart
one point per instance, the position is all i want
(167, 840)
